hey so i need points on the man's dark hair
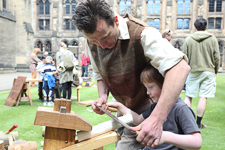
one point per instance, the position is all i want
(200, 24)
(88, 12)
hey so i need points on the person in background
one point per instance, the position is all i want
(45, 54)
(180, 130)
(40, 76)
(168, 34)
(66, 77)
(33, 64)
(202, 50)
(119, 49)
(85, 61)
(48, 81)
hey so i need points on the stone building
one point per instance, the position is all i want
(179, 16)
(16, 34)
(26, 24)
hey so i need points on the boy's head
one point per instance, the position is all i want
(43, 59)
(48, 59)
(150, 74)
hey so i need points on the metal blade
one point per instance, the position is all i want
(113, 117)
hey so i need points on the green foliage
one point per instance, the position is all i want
(24, 116)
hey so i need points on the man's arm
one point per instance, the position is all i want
(103, 93)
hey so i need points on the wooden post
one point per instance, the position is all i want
(2, 145)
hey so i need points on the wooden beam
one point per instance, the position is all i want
(96, 142)
(33, 80)
(47, 117)
(104, 127)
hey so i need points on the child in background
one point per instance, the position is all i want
(180, 130)
(40, 76)
(48, 81)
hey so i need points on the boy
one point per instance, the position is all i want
(180, 130)
(48, 81)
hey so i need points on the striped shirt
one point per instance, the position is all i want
(48, 69)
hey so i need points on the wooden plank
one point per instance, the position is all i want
(56, 138)
(33, 80)
(24, 99)
(85, 103)
(57, 103)
(96, 142)
(15, 91)
(30, 145)
(47, 117)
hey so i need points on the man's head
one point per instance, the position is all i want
(200, 24)
(83, 53)
(168, 34)
(97, 21)
(46, 53)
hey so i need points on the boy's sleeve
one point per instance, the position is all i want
(186, 120)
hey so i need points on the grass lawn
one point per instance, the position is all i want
(24, 115)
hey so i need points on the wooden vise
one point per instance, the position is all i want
(61, 125)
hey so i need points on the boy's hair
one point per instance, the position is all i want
(88, 12)
(200, 24)
(48, 58)
(150, 74)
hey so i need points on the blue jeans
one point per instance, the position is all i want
(84, 69)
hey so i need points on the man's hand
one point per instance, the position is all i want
(101, 101)
(150, 132)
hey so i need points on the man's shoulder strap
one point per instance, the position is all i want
(131, 18)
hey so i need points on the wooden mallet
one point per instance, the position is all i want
(13, 127)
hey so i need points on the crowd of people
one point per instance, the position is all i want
(144, 73)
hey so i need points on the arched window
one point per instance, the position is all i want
(74, 43)
(221, 52)
(39, 45)
(48, 46)
(47, 7)
(4, 4)
(187, 6)
(41, 7)
(157, 6)
(122, 6)
(128, 6)
(177, 45)
(150, 7)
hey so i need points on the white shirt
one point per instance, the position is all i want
(162, 54)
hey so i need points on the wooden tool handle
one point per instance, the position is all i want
(112, 109)
(13, 127)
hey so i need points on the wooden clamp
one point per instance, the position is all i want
(60, 127)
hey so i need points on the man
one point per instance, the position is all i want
(167, 34)
(85, 60)
(45, 54)
(202, 51)
(120, 48)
